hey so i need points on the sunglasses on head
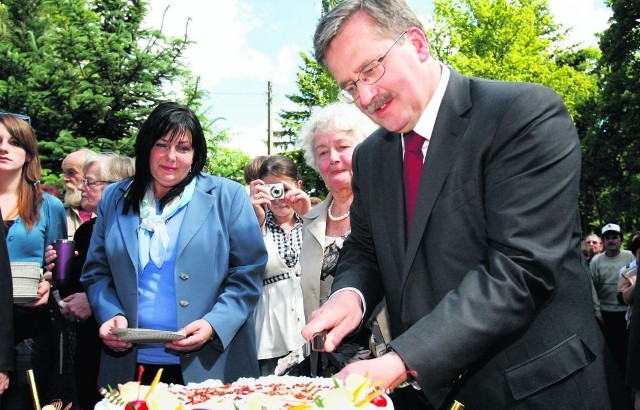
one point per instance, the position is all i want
(21, 116)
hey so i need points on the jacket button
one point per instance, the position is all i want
(184, 303)
(184, 276)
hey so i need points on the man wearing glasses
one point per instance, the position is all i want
(72, 170)
(465, 218)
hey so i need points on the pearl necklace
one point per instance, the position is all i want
(336, 218)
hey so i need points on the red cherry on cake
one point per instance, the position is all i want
(136, 405)
(379, 401)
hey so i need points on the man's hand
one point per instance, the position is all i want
(76, 307)
(4, 381)
(111, 340)
(340, 315)
(388, 368)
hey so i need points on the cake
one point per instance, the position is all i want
(265, 393)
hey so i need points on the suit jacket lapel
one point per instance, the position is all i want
(316, 221)
(449, 127)
(196, 213)
(128, 225)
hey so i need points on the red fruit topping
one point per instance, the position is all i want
(379, 401)
(136, 405)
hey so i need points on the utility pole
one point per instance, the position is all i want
(269, 128)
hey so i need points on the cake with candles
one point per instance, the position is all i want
(264, 393)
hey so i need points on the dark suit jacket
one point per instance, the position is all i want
(633, 352)
(488, 300)
(6, 305)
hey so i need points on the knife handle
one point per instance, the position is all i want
(317, 343)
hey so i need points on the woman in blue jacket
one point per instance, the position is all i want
(178, 250)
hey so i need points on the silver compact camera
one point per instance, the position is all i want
(276, 191)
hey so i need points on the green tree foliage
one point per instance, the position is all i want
(88, 73)
(611, 171)
(226, 162)
(316, 88)
(512, 40)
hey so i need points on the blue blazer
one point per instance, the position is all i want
(218, 276)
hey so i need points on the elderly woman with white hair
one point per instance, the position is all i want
(327, 140)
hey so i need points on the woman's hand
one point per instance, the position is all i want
(50, 256)
(198, 332)
(296, 198)
(260, 199)
(111, 340)
(44, 290)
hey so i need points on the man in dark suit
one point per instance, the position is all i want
(6, 313)
(633, 352)
(488, 300)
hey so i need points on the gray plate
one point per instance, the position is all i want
(146, 336)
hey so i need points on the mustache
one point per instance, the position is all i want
(378, 102)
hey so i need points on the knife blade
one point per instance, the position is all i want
(298, 355)
(294, 358)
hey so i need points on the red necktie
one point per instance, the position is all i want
(413, 161)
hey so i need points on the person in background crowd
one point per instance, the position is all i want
(252, 169)
(587, 252)
(465, 217)
(315, 200)
(628, 276)
(51, 190)
(33, 220)
(629, 294)
(279, 315)
(605, 272)
(595, 242)
(174, 249)
(72, 170)
(6, 314)
(84, 347)
(327, 141)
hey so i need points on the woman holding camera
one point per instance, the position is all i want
(278, 202)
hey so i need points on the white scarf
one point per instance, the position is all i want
(153, 237)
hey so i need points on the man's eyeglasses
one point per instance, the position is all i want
(369, 75)
(21, 116)
(91, 182)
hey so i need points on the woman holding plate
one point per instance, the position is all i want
(176, 250)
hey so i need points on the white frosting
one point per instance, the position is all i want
(265, 393)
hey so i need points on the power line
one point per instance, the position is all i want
(262, 94)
